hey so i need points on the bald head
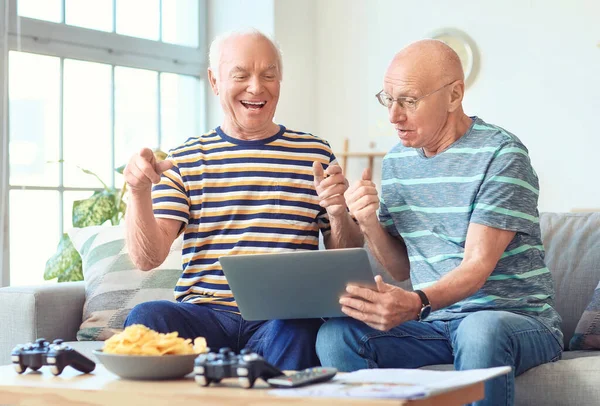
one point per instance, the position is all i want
(430, 73)
(430, 62)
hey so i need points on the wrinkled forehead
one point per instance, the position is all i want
(250, 53)
(409, 76)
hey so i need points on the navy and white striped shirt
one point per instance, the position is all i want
(240, 197)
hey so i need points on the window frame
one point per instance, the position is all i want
(64, 41)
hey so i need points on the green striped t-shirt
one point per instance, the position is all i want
(485, 177)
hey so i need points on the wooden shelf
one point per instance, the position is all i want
(345, 154)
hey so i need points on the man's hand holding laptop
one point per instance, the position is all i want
(383, 306)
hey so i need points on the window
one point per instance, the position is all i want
(88, 84)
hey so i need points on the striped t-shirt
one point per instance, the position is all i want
(485, 177)
(240, 197)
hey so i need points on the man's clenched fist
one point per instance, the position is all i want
(331, 185)
(362, 199)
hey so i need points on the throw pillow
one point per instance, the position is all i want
(113, 285)
(587, 332)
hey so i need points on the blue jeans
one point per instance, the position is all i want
(286, 344)
(483, 339)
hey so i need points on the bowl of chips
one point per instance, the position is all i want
(141, 353)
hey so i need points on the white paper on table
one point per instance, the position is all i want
(394, 383)
(344, 390)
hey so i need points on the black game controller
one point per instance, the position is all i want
(247, 367)
(57, 355)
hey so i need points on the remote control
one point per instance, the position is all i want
(304, 377)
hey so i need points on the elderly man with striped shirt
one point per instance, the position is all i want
(458, 216)
(248, 186)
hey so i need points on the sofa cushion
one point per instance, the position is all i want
(572, 244)
(587, 332)
(571, 381)
(113, 285)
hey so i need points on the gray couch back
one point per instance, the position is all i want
(572, 243)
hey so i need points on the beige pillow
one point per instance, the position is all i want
(587, 332)
(113, 285)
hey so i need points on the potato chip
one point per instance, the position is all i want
(140, 340)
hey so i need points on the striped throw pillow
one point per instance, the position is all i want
(113, 285)
(587, 332)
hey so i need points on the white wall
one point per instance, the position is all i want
(295, 24)
(539, 78)
(539, 74)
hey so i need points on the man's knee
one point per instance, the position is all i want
(151, 313)
(482, 337)
(488, 326)
(299, 330)
(332, 337)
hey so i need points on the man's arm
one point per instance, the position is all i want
(363, 201)
(345, 233)
(148, 238)
(388, 250)
(330, 186)
(390, 306)
(483, 248)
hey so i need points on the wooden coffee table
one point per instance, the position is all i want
(103, 387)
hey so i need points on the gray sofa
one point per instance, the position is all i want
(572, 243)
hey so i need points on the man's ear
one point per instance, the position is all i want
(213, 82)
(457, 91)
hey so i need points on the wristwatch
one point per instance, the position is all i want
(425, 306)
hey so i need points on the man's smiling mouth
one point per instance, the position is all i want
(252, 105)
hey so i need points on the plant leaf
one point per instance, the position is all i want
(88, 172)
(97, 209)
(65, 264)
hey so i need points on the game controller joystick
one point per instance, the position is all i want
(247, 367)
(56, 355)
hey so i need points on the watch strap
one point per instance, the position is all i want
(425, 306)
(424, 298)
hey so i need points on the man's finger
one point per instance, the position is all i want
(147, 168)
(371, 320)
(147, 154)
(163, 166)
(364, 293)
(318, 172)
(335, 190)
(331, 180)
(357, 304)
(381, 285)
(333, 170)
(367, 175)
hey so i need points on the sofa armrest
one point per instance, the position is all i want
(31, 312)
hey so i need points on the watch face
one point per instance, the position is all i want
(425, 311)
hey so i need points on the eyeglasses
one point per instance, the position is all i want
(408, 103)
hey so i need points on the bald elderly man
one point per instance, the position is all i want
(248, 186)
(458, 216)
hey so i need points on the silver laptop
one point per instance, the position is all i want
(295, 285)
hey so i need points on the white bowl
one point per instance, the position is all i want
(147, 367)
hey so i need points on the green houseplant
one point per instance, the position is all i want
(103, 206)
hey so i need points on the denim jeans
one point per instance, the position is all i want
(286, 344)
(483, 339)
